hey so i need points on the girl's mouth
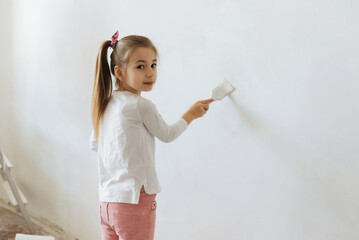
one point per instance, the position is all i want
(149, 83)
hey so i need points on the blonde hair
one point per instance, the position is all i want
(102, 90)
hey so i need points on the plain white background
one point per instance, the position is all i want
(278, 159)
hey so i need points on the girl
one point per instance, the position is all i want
(125, 124)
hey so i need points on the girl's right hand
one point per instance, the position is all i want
(198, 109)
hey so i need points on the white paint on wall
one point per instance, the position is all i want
(278, 159)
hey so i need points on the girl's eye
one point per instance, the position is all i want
(139, 67)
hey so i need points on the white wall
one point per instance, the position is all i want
(278, 159)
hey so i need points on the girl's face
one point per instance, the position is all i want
(140, 73)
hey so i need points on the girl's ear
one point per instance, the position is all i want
(118, 73)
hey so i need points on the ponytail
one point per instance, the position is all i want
(102, 89)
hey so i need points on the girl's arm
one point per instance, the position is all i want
(155, 124)
(188, 116)
(198, 109)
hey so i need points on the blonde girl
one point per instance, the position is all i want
(125, 125)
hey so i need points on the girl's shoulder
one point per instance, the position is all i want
(145, 103)
(144, 100)
(142, 103)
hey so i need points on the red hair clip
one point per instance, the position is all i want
(114, 40)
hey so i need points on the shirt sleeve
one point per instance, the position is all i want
(93, 142)
(155, 124)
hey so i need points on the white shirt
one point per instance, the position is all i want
(126, 147)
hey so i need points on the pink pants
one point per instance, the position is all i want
(125, 221)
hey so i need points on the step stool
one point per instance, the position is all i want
(17, 199)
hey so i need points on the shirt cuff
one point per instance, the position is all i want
(184, 121)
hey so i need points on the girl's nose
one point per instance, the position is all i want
(150, 72)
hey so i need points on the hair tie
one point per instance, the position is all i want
(114, 40)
